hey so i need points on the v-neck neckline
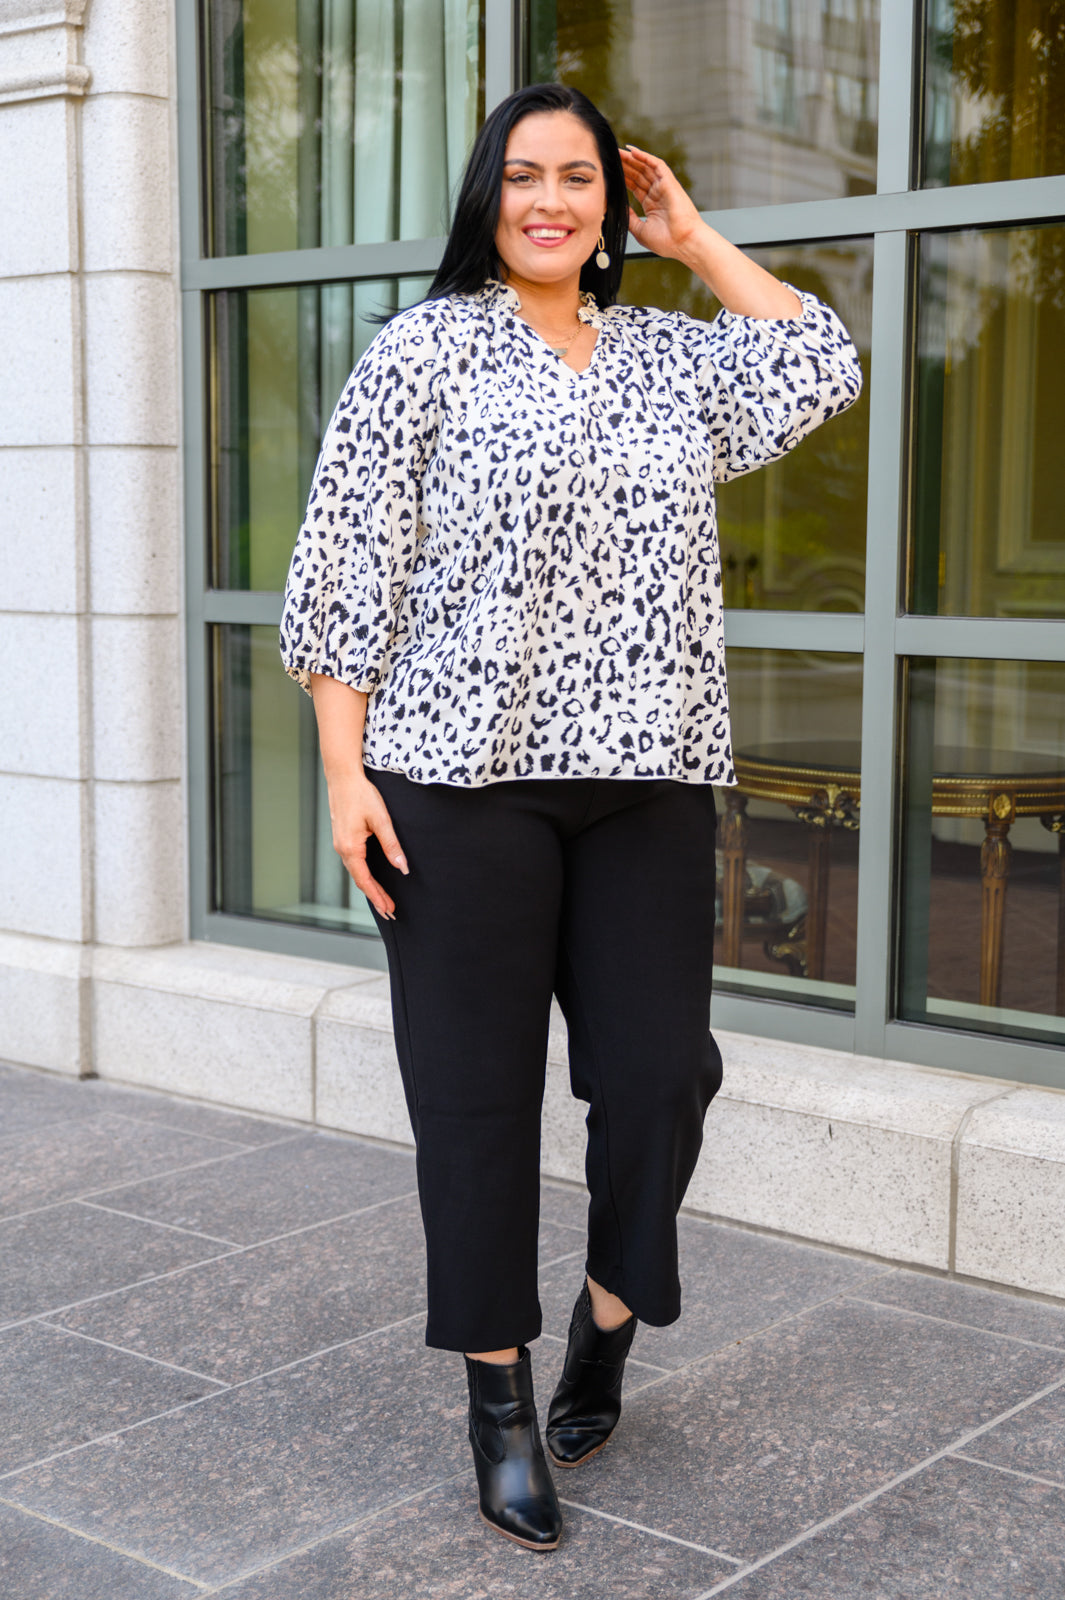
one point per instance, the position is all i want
(588, 314)
(560, 361)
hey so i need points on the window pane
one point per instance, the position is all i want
(792, 534)
(983, 914)
(994, 91)
(295, 86)
(274, 854)
(788, 833)
(989, 485)
(771, 101)
(281, 360)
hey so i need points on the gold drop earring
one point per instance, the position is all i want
(602, 260)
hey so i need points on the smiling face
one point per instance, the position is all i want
(553, 200)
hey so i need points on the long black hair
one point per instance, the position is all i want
(470, 257)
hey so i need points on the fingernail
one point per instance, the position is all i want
(401, 862)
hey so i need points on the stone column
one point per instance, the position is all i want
(91, 829)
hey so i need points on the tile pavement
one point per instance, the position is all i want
(213, 1380)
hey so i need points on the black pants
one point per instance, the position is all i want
(601, 891)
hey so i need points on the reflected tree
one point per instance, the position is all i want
(996, 76)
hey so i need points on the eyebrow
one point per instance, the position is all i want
(566, 166)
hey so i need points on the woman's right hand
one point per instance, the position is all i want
(357, 811)
(356, 808)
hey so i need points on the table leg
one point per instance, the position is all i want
(995, 855)
(820, 846)
(734, 878)
(827, 808)
(1054, 822)
(1060, 1006)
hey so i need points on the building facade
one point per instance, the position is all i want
(208, 201)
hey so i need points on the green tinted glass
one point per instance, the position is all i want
(274, 852)
(994, 91)
(792, 534)
(982, 943)
(989, 483)
(770, 101)
(281, 358)
(787, 904)
(293, 85)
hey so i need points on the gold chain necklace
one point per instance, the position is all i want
(559, 350)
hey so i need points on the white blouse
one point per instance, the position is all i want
(518, 562)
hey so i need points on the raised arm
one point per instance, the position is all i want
(775, 364)
(672, 227)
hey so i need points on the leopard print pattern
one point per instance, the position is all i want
(519, 563)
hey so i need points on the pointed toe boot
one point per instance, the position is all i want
(587, 1403)
(517, 1496)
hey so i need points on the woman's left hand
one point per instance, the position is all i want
(670, 221)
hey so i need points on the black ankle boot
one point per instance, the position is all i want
(517, 1495)
(587, 1403)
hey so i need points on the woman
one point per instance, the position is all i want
(505, 601)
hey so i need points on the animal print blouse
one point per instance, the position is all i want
(519, 563)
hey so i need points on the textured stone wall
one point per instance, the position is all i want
(90, 531)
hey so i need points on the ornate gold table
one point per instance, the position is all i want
(821, 783)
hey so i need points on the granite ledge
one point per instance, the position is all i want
(863, 1091)
(1026, 1122)
(228, 974)
(1011, 1184)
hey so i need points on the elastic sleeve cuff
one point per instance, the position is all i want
(301, 667)
(806, 318)
(816, 331)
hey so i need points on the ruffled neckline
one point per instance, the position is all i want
(502, 295)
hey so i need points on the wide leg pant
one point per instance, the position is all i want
(601, 891)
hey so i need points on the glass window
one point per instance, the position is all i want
(749, 104)
(787, 904)
(281, 360)
(296, 87)
(982, 941)
(994, 91)
(793, 534)
(989, 484)
(274, 853)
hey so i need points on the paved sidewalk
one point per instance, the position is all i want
(213, 1381)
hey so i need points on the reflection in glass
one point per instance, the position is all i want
(982, 942)
(295, 86)
(274, 854)
(281, 360)
(774, 100)
(994, 91)
(989, 485)
(787, 905)
(792, 534)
